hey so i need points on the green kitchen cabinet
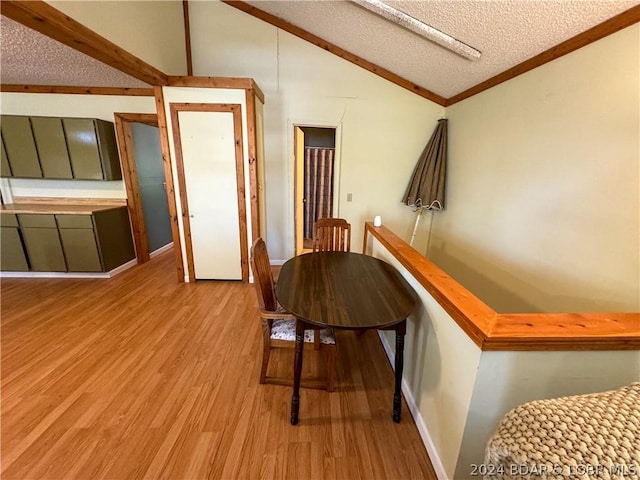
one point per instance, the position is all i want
(20, 146)
(42, 242)
(5, 170)
(52, 147)
(113, 233)
(12, 255)
(92, 149)
(79, 243)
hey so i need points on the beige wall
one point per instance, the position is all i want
(543, 201)
(152, 31)
(384, 128)
(54, 105)
(457, 393)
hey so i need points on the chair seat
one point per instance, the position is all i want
(286, 330)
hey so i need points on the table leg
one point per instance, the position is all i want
(297, 371)
(399, 364)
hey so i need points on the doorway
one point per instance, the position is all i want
(315, 180)
(144, 179)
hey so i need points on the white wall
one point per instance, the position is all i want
(384, 127)
(151, 30)
(543, 188)
(86, 106)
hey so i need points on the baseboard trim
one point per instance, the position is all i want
(109, 274)
(277, 262)
(161, 250)
(55, 275)
(123, 267)
(417, 417)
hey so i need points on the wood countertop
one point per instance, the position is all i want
(57, 208)
(491, 330)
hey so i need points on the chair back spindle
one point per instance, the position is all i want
(332, 235)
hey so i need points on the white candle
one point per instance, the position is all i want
(377, 221)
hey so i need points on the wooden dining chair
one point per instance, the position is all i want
(332, 235)
(279, 327)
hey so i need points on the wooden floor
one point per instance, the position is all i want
(142, 377)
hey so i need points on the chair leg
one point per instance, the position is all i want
(331, 368)
(266, 350)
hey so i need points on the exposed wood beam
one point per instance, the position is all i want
(216, 82)
(187, 36)
(51, 22)
(613, 25)
(340, 52)
(136, 92)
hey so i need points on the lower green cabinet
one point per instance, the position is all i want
(79, 243)
(96, 242)
(42, 242)
(12, 256)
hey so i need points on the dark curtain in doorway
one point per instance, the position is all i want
(318, 186)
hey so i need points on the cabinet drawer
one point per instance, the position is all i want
(37, 220)
(74, 221)
(8, 220)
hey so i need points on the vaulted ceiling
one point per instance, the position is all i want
(506, 32)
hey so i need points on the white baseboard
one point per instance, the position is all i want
(417, 417)
(168, 246)
(55, 275)
(277, 262)
(109, 274)
(123, 267)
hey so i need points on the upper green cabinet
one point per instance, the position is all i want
(59, 148)
(52, 147)
(92, 149)
(5, 171)
(20, 147)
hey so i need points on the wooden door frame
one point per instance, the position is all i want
(123, 123)
(236, 110)
(337, 128)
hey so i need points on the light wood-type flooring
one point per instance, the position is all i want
(140, 376)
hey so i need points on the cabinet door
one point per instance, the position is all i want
(5, 171)
(52, 147)
(12, 257)
(83, 148)
(44, 249)
(80, 250)
(108, 150)
(20, 146)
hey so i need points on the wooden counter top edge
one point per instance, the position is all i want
(512, 332)
(78, 206)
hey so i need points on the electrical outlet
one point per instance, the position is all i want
(349, 197)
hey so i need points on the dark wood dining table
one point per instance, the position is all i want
(348, 291)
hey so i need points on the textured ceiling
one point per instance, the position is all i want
(30, 58)
(507, 32)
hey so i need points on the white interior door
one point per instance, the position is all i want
(208, 149)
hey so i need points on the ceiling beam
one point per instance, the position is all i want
(340, 52)
(51, 22)
(608, 27)
(134, 92)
